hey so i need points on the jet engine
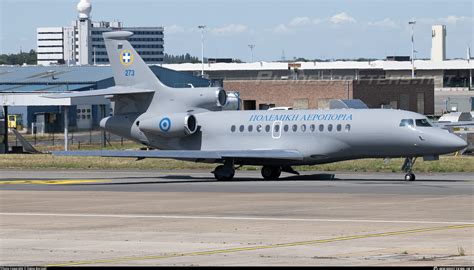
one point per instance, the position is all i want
(172, 125)
(210, 98)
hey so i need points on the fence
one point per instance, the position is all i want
(76, 140)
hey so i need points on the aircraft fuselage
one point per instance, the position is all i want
(320, 135)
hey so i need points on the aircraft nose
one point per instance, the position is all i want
(455, 143)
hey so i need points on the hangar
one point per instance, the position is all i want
(22, 89)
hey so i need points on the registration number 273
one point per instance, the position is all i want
(129, 72)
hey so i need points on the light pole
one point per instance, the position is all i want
(412, 23)
(251, 46)
(202, 27)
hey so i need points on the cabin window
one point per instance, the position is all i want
(233, 128)
(286, 128)
(250, 128)
(312, 128)
(294, 128)
(330, 127)
(321, 128)
(242, 128)
(276, 128)
(347, 128)
(406, 123)
(339, 127)
(259, 128)
(303, 128)
(267, 128)
(423, 123)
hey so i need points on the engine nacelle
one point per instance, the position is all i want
(171, 125)
(211, 98)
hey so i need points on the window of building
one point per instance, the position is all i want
(330, 127)
(420, 103)
(300, 104)
(323, 103)
(405, 102)
(407, 123)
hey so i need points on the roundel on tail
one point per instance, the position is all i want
(126, 57)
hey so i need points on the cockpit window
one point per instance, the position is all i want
(423, 123)
(407, 123)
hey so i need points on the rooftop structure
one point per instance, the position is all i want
(82, 42)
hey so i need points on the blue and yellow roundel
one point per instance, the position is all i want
(126, 57)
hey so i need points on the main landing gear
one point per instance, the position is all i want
(408, 168)
(271, 172)
(226, 172)
(274, 172)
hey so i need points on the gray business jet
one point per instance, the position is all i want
(189, 124)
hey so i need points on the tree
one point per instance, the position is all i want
(18, 58)
(179, 59)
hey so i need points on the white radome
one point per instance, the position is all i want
(84, 8)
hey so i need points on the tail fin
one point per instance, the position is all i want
(128, 67)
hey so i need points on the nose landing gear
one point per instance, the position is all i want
(408, 168)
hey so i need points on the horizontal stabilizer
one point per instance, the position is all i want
(189, 154)
(116, 90)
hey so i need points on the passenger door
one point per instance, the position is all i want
(276, 129)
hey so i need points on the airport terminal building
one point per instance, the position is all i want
(82, 42)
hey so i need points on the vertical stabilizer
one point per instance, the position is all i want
(128, 67)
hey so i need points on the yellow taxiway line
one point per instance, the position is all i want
(261, 247)
(51, 182)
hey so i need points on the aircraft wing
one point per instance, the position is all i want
(116, 90)
(190, 154)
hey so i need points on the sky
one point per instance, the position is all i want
(326, 29)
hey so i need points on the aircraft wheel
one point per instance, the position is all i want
(222, 175)
(410, 177)
(271, 172)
